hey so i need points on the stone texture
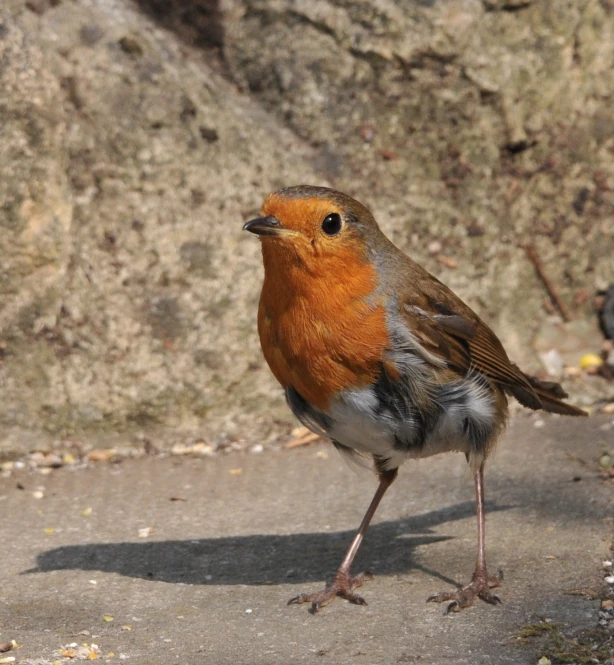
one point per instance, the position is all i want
(137, 138)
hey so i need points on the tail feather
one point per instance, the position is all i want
(550, 395)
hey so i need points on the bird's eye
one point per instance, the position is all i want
(332, 224)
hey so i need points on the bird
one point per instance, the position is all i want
(378, 355)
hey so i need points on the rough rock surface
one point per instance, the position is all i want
(137, 138)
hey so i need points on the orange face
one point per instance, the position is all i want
(321, 329)
(311, 226)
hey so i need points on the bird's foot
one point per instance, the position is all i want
(479, 587)
(342, 586)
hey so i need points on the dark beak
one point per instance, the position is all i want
(264, 226)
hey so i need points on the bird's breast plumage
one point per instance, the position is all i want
(321, 332)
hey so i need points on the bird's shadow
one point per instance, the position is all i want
(261, 559)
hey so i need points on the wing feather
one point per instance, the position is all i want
(467, 344)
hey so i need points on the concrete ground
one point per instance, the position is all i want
(186, 561)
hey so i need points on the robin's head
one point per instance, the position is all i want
(314, 222)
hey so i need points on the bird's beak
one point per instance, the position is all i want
(265, 226)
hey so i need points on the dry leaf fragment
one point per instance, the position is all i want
(447, 261)
(87, 512)
(108, 618)
(145, 532)
(303, 440)
(8, 659)
(68, 653)
(101, 455)
(236, 472)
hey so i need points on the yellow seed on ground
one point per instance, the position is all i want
(590, 360)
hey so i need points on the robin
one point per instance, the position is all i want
(381, 357)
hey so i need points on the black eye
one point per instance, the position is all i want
(332, 224)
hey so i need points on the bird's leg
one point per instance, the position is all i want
(343, 585)
(481, 583)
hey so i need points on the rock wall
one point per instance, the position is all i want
(136, 139)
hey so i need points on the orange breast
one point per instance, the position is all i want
(319, 330)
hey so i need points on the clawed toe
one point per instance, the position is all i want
(442, 597)
(454, 606)
(491, 598)
(301, 598)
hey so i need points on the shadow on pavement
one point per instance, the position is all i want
(389, 548)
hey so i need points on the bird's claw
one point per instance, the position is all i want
(479, 587)
(342, 586)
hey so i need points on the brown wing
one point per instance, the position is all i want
(451, 330)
